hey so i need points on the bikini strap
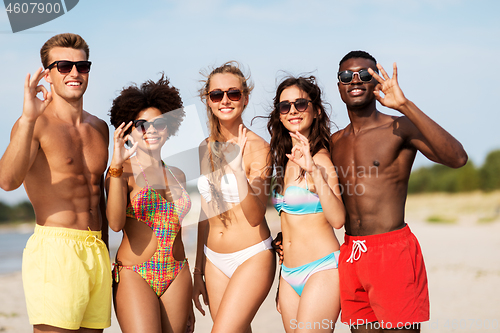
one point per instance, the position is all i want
(178, 182)
(143, 173)
(305, 178)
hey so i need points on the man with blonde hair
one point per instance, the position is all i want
(59, 152)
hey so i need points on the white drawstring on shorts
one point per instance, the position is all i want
(358, 247)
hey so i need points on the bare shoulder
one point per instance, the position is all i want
(178, 173)
(256, 145)
(403, 127)
(323, 158)
(403, 122)
(203, 148)
(203, 143)
(96, 122)
(337, 135)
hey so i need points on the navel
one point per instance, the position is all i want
(376, 163)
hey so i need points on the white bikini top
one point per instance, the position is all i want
(228, 187)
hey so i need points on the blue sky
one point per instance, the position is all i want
(444, 50)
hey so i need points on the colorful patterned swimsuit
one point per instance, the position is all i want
(165, 219)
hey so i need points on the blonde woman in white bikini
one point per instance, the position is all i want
(235, 263)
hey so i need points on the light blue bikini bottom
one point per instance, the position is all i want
(298, 276)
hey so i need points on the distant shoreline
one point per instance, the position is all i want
(22, 227)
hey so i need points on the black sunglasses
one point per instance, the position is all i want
(217, 95)
(300, 105)
(346, 77)
(66, 66)
(160, 124)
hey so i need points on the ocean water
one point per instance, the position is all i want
(13, 241)
(11, 250)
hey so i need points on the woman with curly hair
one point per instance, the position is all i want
(147, 201)
(233, 233)
(307, 197)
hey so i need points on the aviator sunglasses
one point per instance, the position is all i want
(217, 95)
(160, 124)
(66, 66)
(346, 77)
(300, 105)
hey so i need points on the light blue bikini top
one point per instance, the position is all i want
(297, 200)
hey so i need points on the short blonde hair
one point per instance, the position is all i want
(70, 40)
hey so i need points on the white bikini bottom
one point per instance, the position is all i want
(228, 262)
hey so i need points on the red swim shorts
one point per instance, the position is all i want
(383, 279)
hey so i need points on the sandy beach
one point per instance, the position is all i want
(460, 238)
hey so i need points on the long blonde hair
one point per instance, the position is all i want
(216, 139)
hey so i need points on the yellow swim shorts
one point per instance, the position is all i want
(67, 278)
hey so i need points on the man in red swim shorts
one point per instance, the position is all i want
(383, 283)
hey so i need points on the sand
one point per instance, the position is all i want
(461, 251)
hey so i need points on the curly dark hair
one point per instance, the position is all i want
(160, 95)
(281, 142)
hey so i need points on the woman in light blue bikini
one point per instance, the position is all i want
(307, 197)
(233, 233)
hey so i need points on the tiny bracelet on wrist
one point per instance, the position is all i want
(115, 172)
(196, 270)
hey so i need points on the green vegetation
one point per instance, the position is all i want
(487, 219)
(21, 212)
(441, 219)
(8, 315)
(439, 178)
(436, 178)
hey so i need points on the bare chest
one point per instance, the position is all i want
(68, 150)
(366, 155)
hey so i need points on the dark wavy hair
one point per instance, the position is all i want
(281, 142)
(160, 95)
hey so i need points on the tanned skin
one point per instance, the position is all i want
(374, 154)
(59, 152)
